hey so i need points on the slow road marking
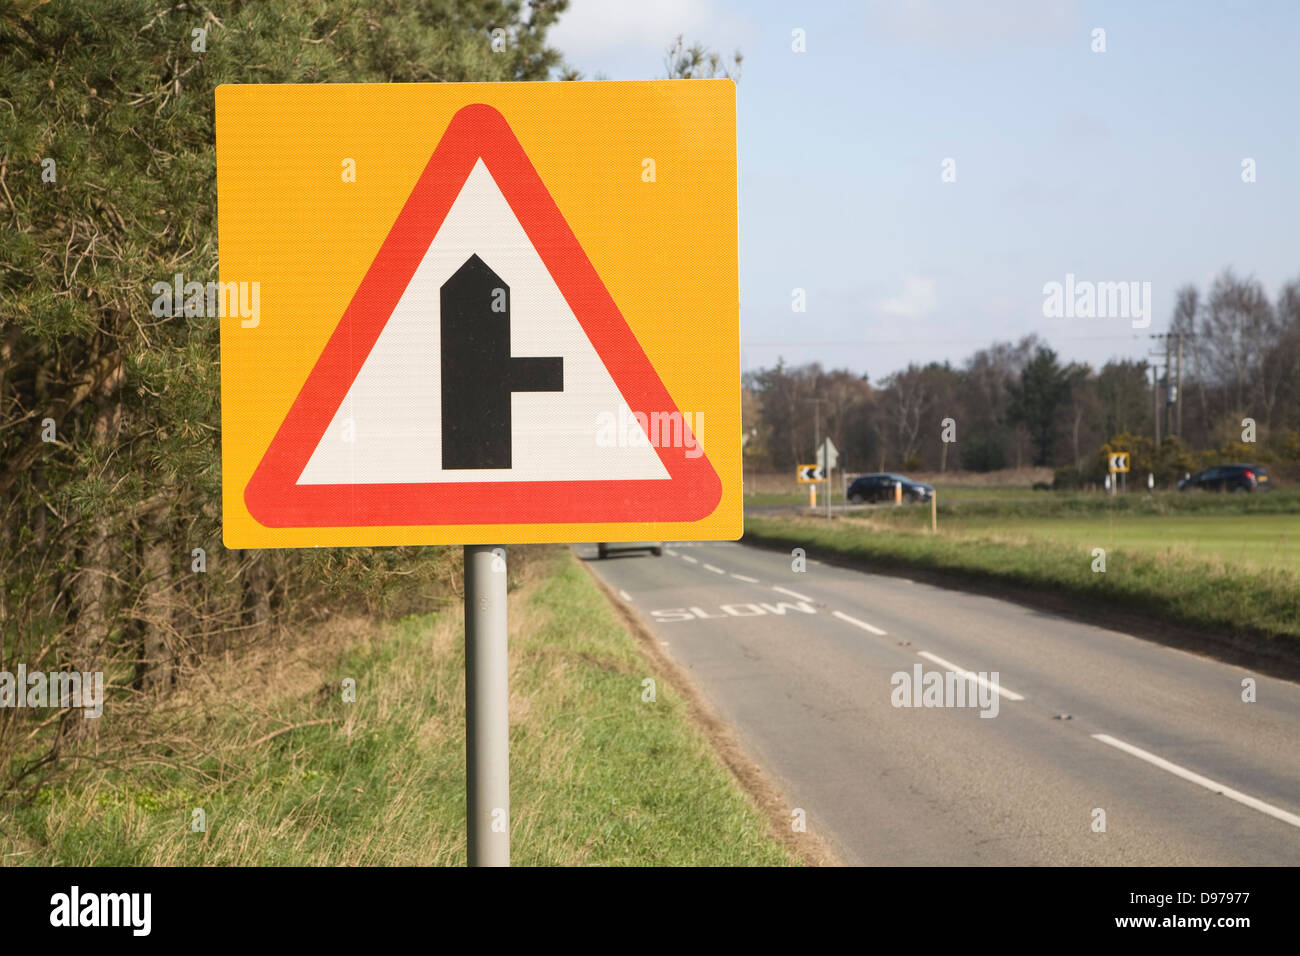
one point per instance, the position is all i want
(677, 615)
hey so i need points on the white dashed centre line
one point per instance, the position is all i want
(709, 567)
(793, 594)
(687, 557)
(1206, 782)
(745, 578)
(856, 623)
(670, 551)
(970, 675)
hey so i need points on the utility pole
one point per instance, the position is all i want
(1159, 401)
(817, 427)
(1155, 399)
(1169, 406)
(1172, 407)
(1178, 388)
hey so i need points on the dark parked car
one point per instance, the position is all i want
(1228, 478)
(881, 488)
(605, 548)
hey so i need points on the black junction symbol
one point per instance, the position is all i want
(478, 372)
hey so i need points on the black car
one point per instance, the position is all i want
(1228, 478)
(881, 488)
(605, 548)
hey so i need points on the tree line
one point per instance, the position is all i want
(1017, 404)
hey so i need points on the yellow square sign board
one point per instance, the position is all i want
(479, 313)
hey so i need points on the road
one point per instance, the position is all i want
(802, 664)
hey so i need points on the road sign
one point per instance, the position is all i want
(489, 313)
(828, 450)
(1119, 463)
(810, 474)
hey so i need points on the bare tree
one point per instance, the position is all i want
(1187, 308)
(1237, 328)
(907, 394)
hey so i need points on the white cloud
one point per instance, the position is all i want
(626, 39)
(918, 299)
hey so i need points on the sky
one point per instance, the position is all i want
(1117, 166)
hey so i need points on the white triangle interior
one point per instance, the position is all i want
(388, 428)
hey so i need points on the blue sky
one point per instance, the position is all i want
(1117, 166)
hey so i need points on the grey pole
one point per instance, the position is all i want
(827, 453)
(487, 711)
(1178, 388)
(1155, 403)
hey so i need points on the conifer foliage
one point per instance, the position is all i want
(110, 544)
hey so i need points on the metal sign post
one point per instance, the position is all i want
(828, 493)
(487, 710)
(828, 457)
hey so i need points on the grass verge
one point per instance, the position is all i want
(1256, 610)
(287, 773)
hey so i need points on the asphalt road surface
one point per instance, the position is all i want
(803, 665)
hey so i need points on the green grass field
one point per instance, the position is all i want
(1255, 540)
(1257, 531)
(288, 773)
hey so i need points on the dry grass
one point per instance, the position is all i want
(289, 774)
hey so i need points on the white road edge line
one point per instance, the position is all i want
(745, 578)
(862, 624)
(709, 567)
(971, 675)
(1206, 782)
(687, 557)
(624, 595)
(793, 594)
